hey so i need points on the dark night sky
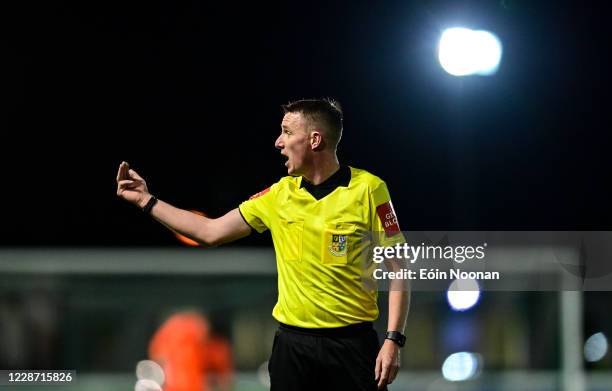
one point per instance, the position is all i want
(189, 93)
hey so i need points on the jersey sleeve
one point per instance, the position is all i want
(258, 209)
(384, 219)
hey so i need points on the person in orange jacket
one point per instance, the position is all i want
(191, 357)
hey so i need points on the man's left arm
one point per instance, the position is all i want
(388, 360)
(385, 223)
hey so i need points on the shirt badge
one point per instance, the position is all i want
(387, 217)
(338, 245)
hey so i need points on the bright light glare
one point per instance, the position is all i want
(463, 52)
(460, 366)
(595, 347)
(463, 294)
(148, 369)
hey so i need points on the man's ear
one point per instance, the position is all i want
(316, 140)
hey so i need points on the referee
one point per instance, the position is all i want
(316, 216)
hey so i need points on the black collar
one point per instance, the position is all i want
(342, 177)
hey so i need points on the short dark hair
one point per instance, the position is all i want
(325, 112)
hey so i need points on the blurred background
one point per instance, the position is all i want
(189, 93)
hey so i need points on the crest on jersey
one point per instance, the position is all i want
(338, 245)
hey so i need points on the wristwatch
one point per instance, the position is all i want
(397, 337)
(150, 204)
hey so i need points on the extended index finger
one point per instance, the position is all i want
(122, 173)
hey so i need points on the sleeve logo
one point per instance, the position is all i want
(259, 194)
(387, 217)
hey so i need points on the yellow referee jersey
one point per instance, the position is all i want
(319, 248)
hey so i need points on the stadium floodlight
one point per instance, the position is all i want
(461, 366)
(463, 294)
(464, 52)
(595, 347)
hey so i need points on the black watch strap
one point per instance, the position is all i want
(397, 337)
(150, 204)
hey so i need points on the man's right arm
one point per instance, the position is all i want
(211, 232)
(204, 230)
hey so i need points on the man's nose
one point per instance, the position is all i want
(279, 143)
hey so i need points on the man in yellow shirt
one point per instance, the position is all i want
(317, 216)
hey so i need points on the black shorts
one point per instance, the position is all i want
(324, 359)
